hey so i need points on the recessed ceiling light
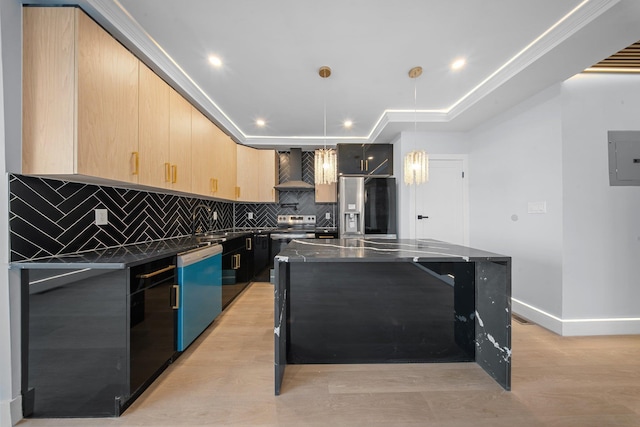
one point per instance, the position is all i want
(348, 123)
(458, 63)
(260, 122)
(215, 61)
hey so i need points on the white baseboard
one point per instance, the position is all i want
(10, 411)
(536, 316)
(576, 327)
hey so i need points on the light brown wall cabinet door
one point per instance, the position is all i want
(248, 174)
(179, 142)
(153, 145)
(268, 176)
(224, 161)
(80, 102)
(326, 193)
(203, 180)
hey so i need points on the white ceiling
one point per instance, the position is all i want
(272, 50)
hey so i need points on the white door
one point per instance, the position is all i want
(441, 203)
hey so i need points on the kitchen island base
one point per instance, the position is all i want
(400, 301)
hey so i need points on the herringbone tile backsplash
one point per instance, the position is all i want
(51, 217)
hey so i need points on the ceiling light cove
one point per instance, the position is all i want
(215, 61)
(458, 64)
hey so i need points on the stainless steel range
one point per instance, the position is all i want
(291, 227)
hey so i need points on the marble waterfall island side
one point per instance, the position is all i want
(392, 301)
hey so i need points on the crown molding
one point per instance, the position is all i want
(582, 15)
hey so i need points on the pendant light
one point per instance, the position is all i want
(416, 162)
(326, 170)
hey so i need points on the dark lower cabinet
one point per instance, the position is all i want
(77, 359)
(261, 257)
(93, 340)
(237, 267)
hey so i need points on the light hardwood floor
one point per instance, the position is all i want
(226, 378)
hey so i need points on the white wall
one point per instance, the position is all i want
(10, 146)
(515, 159)
(436, 144)
(601, 223)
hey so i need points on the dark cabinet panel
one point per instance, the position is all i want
(237, 267)
(365, 159)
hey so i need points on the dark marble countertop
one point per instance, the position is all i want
(113, 258)
(388, 250)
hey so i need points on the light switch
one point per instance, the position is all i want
(102, 217)
(250, 215)
(537, 207)
(327, 215)
(215, 215)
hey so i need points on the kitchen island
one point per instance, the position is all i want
(392, 301)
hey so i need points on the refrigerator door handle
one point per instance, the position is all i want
(422, 217)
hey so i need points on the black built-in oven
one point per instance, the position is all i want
(152, 321)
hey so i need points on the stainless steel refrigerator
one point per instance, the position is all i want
(367, 207)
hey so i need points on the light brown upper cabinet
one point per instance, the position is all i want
(224, 161)
(326, 193)
(80, 98)
(257, 175)
(268, 176)
(153, 145)
(203, 180)
(248, 174)
(165, 134)
(179, 142)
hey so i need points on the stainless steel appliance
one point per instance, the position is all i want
(200, 299)
(291, 227)
(367, 207)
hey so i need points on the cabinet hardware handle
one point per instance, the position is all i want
(155, 273)
(326, 237)
(211, 185)
(176, 304)
(422, 217)
(361, 165)
(366, 165)
(136, 162)
(238, 260)
(174, 174)
(167, 172)
(248, 245)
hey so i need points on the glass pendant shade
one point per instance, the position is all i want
(416, 167)
(326, 166)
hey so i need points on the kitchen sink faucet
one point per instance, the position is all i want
(193, 218)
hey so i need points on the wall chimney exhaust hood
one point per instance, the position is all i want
(295, 181)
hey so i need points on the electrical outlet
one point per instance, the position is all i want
(102, 217)
(215, 215)
(249, 215)
(327, 215)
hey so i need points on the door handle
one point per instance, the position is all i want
(155, 273)
(422, 217)
(176, 294)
